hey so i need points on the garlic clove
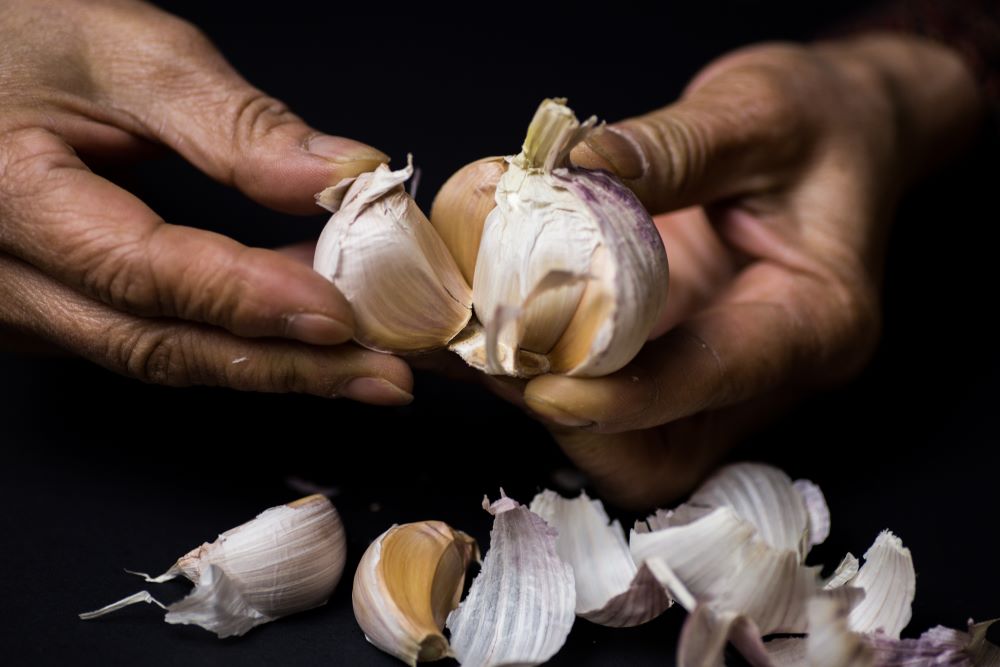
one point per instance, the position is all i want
(288, 559)
(461, 206)
(550, 217)
(407, 293)
(519, 610)
(610, 589)
(408, 580)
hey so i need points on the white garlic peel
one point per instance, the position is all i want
(610, 588)
(407, 293)
(520, 607)
(288, 559)
(551, 217)
(408, 580)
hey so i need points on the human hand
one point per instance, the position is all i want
(781, 166)
(86, 265)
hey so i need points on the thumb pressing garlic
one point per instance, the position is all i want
(568, 272)
(286, 560)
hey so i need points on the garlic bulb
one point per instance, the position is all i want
(286, 560)
(382, 253)
(568, 272)
(408, 580)
(570, 265)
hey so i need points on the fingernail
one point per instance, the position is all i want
(611, 150)
(317, 329)
(343, 151)
(375, 390)
(560, 416)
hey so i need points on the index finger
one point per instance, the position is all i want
(96, 237)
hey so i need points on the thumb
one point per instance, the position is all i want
(197, 104)
(735, 133)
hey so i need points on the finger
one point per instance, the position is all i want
(185, 94)
(175, 353)
(98, 238)
(740, 131)
(771, 329)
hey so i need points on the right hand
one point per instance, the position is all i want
(88, 266)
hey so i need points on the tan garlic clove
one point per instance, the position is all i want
(382, 253)
(408, 581)
(288, 559)
(461, 206)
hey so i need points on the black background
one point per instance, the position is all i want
(100, 473)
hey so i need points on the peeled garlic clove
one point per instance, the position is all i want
(610, 589)
(382, 253)
(519, 610)
(408, 580)
(551, 217)
(286, 560)
(461, 206)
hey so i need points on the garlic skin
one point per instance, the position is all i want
(408, 580)
(611, 589)
(288, 559)
(519, 610)
(407, 292)
(552, 219)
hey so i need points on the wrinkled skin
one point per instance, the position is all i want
(773, 182)
(86, 265)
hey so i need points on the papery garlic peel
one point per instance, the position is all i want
(288, 559)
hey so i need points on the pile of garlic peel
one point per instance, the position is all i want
(570, 274)
(286, 560)
(733, 556)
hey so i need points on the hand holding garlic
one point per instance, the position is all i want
(88, 266)
(776, 175)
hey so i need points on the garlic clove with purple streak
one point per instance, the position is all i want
(570, 266)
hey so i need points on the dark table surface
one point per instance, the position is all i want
(99, 473)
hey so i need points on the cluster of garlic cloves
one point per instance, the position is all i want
(286, 560)
(567, 271)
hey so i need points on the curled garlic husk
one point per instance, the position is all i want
(382, 253)
(520, 607)
(408, 581)
(570, 267)
(288, 559)
(610, 588)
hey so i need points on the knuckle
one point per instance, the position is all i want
(115, 270)
(253, 116)
(152, 355)
(277, 373)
